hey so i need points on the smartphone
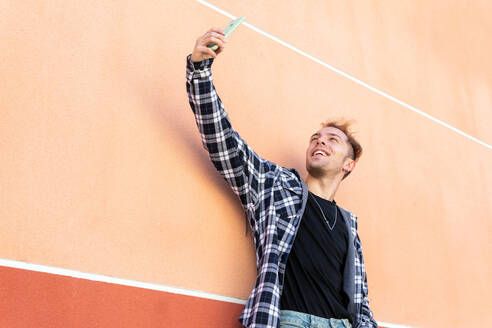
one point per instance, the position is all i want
(228, 30)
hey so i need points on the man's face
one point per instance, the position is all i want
(329, 152)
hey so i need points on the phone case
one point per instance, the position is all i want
(228, 30)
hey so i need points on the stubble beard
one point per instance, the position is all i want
(315, 171)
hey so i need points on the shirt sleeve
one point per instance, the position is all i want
(242, 168)
(366, 315)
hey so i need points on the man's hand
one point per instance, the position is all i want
(201, 51)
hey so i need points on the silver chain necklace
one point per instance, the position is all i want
(324, 217)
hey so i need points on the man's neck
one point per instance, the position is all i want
(325, 187)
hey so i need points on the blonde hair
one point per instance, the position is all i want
(345, 126)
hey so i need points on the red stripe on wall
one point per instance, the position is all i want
(36, 299)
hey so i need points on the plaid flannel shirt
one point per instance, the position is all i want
(273, 198)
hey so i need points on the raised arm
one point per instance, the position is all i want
(241, 167)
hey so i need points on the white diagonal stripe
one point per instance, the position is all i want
(348, 76)
(118, 281)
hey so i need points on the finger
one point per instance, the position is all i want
(205, 40)
(220, 36)
(213, 40)
(208, 51)
(211, 52)
(216, 35)
(219, 50)
(217, 30)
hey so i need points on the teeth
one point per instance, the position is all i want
(320, 152)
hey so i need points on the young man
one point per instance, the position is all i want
(318, 281)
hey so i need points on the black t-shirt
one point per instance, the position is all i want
(314, 273)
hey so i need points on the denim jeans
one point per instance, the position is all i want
(294, 319)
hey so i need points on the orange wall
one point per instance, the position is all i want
(103, 170)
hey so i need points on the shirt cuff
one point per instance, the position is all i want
(201, 65)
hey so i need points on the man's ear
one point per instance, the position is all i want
(349, 165)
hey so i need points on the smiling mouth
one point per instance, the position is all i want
(320, 153)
